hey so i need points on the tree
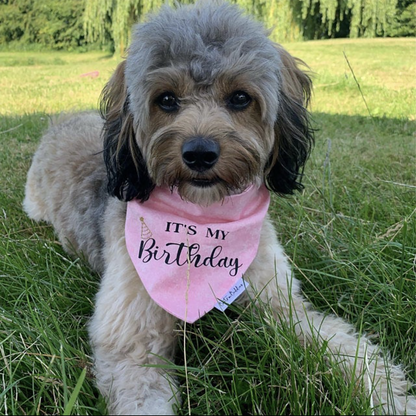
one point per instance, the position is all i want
(290, 19)
(49, 23)
(116, 17)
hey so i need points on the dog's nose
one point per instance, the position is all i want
(200, 153)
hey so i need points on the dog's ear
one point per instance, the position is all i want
(293, 132)
(127, 174)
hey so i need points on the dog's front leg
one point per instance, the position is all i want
(128, 333)
(272, 281)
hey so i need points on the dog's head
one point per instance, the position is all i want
(205, 102)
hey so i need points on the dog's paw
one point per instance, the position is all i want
(152, 405)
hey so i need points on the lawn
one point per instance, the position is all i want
(350, 236)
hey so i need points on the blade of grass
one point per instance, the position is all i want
(71, 402)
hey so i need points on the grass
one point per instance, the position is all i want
(350, 236)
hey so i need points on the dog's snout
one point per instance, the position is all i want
(200, 153)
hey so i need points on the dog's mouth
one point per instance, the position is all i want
(204, 183)
(205, 191)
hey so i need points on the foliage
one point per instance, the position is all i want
(115, 17)
(404, 22)
(368, 18)
(106, 24)
(290, 19)
(48, 23)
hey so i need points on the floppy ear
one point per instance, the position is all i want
(127, 174)
(293, 133)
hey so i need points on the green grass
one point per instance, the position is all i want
(51, 82)
(350, 236)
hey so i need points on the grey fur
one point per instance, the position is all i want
(67, 185)
(205, 41)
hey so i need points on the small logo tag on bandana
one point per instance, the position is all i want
(192, 258)
(232, 295)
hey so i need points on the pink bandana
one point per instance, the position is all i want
(189, 257)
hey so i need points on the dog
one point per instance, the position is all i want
(205, 115)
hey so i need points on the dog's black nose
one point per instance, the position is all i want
(200, 153)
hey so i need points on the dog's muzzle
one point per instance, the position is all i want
(200, 153)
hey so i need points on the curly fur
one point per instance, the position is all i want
(202, 54)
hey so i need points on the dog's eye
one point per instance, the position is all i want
(239, 100)
(168, 102)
